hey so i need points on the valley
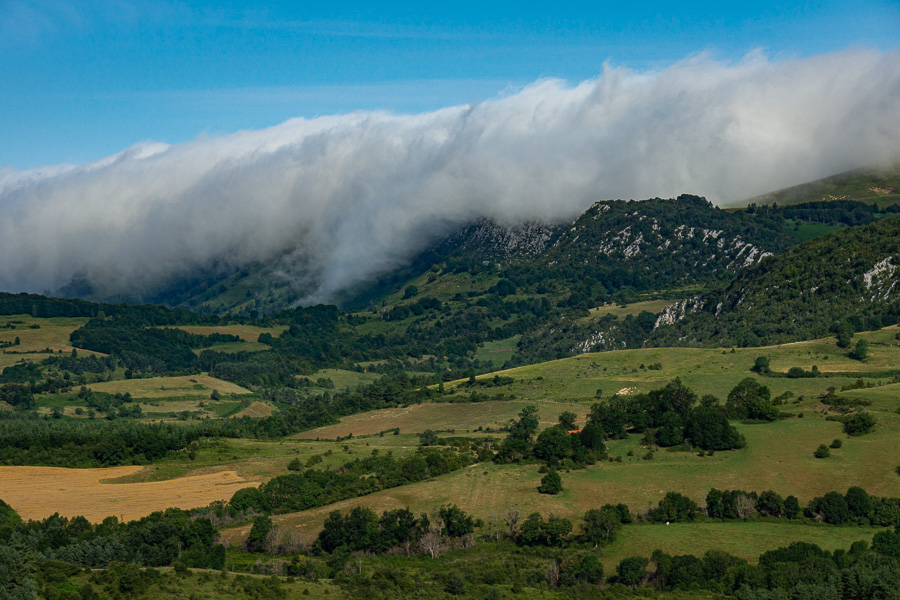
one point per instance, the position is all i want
(649, 356)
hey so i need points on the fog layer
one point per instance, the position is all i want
(351, 196)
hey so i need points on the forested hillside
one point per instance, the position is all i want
(844, 280)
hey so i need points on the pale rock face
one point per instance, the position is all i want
(881, 280)
(601, 340)
(676, 312)
(529, 239)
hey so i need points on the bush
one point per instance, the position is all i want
(859, 424)
(822, 452)
(836, 444)
(761, 365)
(551, 483)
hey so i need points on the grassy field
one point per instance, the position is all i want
(439, 417)
(746, 540)
(861, 184)
(167, 387)
(232, 347)
(499, 351)
(779, 459)
(36, 334)
(344, 379)
(635, 308)
(256, 410)
(248, 333)
(778, 456)
(805, 230)
(706, 370)
(161, 397)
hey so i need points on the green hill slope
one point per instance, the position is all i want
(870, 185)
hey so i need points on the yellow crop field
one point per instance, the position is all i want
(38, 492)
(165, 387)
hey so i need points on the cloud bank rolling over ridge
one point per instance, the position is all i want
(348, 197)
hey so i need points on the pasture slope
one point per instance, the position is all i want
(778, 456)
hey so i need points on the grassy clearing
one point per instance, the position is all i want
(344, 379)
(248, 333)
(635, 309)
(746, 540)
(233, 347)
(36, 334)
(157, 409)
(439, 416)
(256, 410)
(447, 285)
(805, 230)
(498, 352)
(163, 387)
(884, 398)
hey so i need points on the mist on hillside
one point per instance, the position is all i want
(348, 197)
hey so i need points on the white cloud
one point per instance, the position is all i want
(354, 195)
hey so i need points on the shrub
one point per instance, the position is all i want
(761, 365)
(836, 444)
(551, 483)
(859, 424)
(822, 452)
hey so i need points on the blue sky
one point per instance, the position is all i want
(80, 80)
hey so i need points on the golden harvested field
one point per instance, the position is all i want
(248, 333)
(164, 387)
(440, 416)
(38, 492)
